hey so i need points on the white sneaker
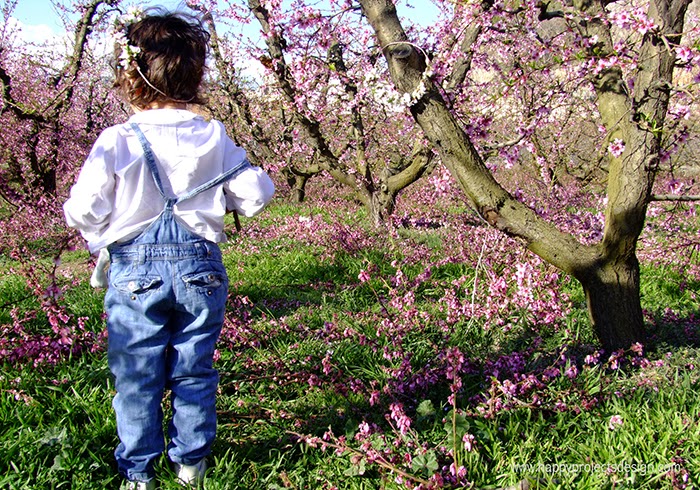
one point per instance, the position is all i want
(191, 474)
(138, 485)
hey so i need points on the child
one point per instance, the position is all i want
(154, 192)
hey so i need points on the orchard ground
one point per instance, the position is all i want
(434, 353)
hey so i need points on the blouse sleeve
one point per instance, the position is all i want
(91, 200)
(249, 191)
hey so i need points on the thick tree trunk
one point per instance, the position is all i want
(614, 308)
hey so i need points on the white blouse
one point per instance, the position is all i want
(115, 197)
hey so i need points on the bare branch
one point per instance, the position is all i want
(674, 197)
(463, 64)
(275, 46)
(422, 162)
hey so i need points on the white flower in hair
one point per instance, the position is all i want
(121, 26)
(133, 14)
(128, 52)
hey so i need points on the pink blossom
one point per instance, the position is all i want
(615, 422)
(571, 372)
(645, 25)
(605, 63)
(680, 111)
(617, 147)
(398, 415)
(460, 472)
(326, 363)
(684, 54)
(508, 387)
(621, 19)
(592, 358)
(469, 442)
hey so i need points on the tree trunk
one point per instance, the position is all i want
(395, 177)
(297, 183)
(614, 307)
(382, 205)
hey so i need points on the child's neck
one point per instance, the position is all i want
(160, 105)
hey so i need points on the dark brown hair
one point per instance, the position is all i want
(171, 59)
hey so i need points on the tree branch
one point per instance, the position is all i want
(458, 153)
(275, 44)
(422, 162)
(70, 72)
(336, 61)
(464, 63)
(674, 197)
(18, 110)
(235, 99)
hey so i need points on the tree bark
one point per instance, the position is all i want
(297, 180)
(613, 302)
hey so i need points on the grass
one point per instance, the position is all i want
(306, 348)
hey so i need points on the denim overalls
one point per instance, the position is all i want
(165, 306)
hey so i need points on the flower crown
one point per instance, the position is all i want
(121, 27)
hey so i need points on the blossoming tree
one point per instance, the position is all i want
(322, 87)
(56, 101)
(580, 88)
(528, 67)
(628, 56)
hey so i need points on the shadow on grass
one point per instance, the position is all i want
(668, 329)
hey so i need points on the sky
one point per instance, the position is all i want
(40, 21)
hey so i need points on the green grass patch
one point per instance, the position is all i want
(310, 350)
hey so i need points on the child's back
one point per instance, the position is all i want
(116, 195)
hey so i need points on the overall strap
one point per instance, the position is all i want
(229, 174)
(151, 162)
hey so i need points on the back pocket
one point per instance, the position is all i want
(138, 285)
(206, 282)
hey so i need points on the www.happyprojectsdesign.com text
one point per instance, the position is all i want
(626, 468)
